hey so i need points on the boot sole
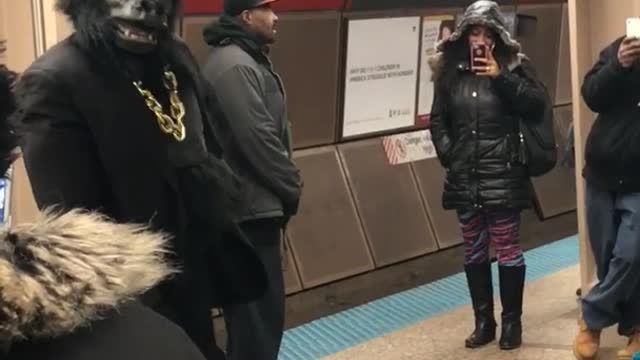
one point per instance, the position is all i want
(469, 345)
(507, 348)
(578, 357)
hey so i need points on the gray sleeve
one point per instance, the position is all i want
(238, 93)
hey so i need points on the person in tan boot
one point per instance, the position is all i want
(612, 175)
(632, 348)
(587, 343)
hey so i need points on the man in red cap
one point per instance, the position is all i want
(248, 99)
(236, 7)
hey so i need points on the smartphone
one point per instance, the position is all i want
(479, 51)
(633, 28)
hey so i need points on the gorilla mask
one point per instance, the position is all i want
(139, 24)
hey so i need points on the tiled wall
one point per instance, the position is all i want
(358, 212)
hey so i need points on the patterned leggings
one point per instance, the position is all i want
(501, 227)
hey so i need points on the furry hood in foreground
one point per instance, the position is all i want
(64, 271)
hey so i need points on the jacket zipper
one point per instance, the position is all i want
(477, 146)
(286, 127)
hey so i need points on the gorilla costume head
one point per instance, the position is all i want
(106, 27)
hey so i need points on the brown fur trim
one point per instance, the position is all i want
(436, 63)
(64, 270)
(518, 60)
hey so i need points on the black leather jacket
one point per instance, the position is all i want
(475, 132)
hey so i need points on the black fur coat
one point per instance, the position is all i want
(90, 141)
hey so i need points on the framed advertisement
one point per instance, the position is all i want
(434, 30)
(381, 75)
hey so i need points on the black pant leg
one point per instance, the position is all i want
(185, 300)
(255, 329)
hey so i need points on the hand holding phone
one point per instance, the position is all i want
(482, 61)
(629, 50)
(633, 28)
(479, 55)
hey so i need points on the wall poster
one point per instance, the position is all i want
(381, 75)
(434, 29)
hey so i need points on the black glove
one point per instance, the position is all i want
(291, 208)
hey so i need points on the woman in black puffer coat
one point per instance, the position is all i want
(475, 121)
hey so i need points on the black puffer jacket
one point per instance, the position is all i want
(475, 119)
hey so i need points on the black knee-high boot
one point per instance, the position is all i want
(481, 289)
(511, 292)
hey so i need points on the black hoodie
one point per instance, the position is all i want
(227, 30)
(613, 151)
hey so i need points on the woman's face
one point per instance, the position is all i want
(482, 35)
(446, 33)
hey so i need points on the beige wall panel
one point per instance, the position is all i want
(389, 203)
(326, 236)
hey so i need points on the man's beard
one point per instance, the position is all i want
(265, 39)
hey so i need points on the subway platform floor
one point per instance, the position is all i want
(431, 321)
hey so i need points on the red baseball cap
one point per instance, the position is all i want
(235, 7)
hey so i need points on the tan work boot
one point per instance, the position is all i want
(632, 348)
(587, 342)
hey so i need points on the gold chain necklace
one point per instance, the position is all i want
(171, 125)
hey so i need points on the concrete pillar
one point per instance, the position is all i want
(29, 28)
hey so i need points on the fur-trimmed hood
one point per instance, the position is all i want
(486, 13)
(64, 271)
(481, 12)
